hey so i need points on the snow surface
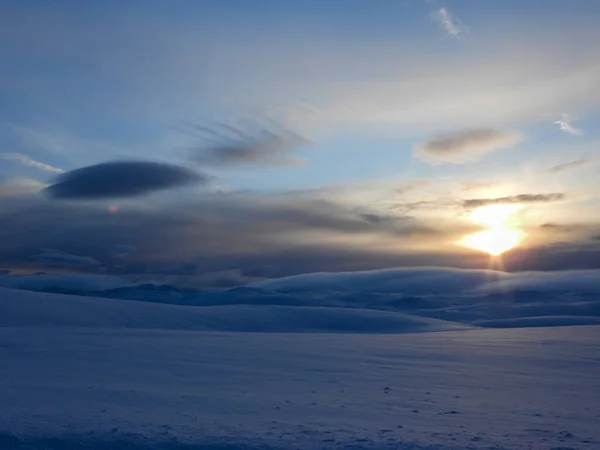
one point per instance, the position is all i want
(22, 309)
(98, 373)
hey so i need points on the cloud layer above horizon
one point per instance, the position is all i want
(220, 145)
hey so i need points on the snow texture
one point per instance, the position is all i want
(98, 373)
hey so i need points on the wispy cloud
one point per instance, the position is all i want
(225, 144)
(465, 146)
(27, 161)
(565, 123)
(19, 186)
(449, 22)
(513, 199)
(572, 165)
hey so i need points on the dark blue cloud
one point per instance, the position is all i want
(118, 179)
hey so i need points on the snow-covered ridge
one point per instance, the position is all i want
(470, 297)
(26, 309)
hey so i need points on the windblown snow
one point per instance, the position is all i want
(328, 367)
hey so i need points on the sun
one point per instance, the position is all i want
(500, 236)
(494, 241)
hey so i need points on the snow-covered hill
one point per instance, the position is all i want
(482, 298)
(24, 309)
(96, 373)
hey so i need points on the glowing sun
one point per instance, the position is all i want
(499, 237)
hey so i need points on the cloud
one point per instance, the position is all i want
(566, 281)
(412, 185)
(513, 199)
(27, 161)
(120, 179)
(465, 146)
(319, 80)
(560, 227)
(214, 232)
(56, 258)
(250, 234)
(434, 205)
(565, 124)
(477, 184)
(450, 23)
(20, 186)
(438, 280)
(410, 280)
(572, 165)
(228, 145)
(370, 80)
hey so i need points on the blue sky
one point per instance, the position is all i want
(372, 106)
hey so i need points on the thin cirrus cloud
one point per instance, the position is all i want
(30, 162)
(513, 199)
(465, 146)
(119, 179)
(449, 22)
(572, 165)
(224, 144)
(565, 123)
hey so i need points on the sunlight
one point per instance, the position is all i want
(499, 237)
(494, 241)
(493, 215)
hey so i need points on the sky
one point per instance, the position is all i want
(222, 143)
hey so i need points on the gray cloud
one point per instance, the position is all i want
(119, 179)
(214, 233)
(559, 227)
(225, 144)
(27, 161)
(513, 199)
(571, 165)
(224, 239)
(463, 147)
